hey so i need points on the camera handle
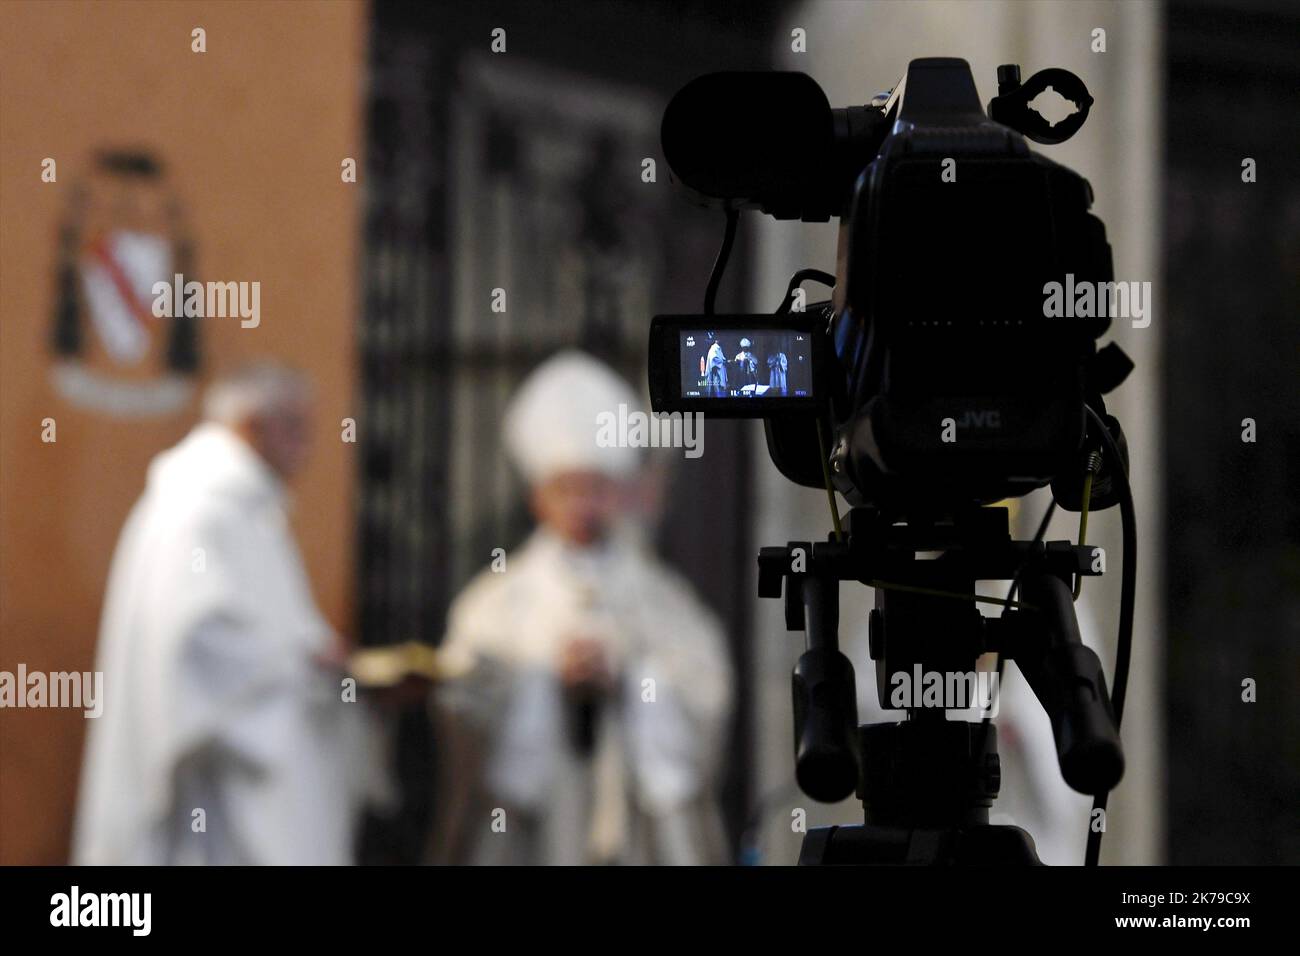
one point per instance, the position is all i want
(827, 764)
(1067, 678)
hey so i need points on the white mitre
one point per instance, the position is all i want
(553, 421)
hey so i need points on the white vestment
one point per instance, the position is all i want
(222, 739)
(646, 792)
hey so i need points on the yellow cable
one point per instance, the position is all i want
(830, 490)
(955, 595)
(1083, 527)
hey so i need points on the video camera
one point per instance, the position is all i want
(933, 383)
(936, 367)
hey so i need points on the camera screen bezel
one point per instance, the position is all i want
(666, 369)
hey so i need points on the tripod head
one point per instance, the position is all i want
(928, 774)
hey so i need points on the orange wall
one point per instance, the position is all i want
(252, 132)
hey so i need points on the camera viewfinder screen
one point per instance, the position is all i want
(743, 364)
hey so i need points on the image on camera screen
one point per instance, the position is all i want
(741, 364)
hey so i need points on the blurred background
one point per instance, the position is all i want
(522, 170)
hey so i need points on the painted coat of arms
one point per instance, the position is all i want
(122, 232)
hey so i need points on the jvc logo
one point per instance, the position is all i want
(988, 418)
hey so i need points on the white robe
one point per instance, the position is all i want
(646, 793)
(214, 701)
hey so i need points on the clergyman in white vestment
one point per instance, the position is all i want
(598, 689)
(225, 738)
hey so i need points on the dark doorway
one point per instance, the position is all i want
(1233, 521)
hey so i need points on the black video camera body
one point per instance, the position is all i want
(936, 371)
